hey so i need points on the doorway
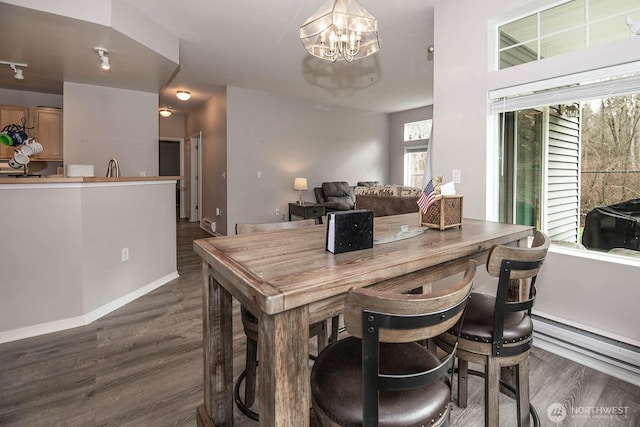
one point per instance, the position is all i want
(171, 163)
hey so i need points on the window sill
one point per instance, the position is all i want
(595, 255)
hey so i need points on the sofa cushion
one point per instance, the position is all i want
(336, 189)
(368, 183)
(411, 192)
(339, 203)
(383, 190)
(336, 196)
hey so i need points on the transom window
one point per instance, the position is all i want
(415, 131)
(570, 26)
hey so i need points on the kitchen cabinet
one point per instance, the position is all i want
(47, 129)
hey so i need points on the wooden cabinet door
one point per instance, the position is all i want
(10, 115)
(48, 132)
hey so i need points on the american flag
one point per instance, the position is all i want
(427, 197)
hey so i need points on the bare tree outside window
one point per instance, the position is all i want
(610, 151)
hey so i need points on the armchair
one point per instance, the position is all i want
(336, 196)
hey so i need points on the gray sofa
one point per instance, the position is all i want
(383, 200)
(386, 200)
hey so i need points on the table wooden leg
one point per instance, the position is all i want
(218, 353)
(283, 351)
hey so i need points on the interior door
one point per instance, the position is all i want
(195, 185)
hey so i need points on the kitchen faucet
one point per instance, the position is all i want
(113, 169)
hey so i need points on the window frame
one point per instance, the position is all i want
(587, 21)
(502, 96)
(409, 149)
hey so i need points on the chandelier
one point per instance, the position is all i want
(341, 30)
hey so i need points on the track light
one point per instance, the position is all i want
(14, 66)
(165, 112)
(18, 72)
(104, 59)
(183, 95)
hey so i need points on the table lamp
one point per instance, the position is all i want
(300, 184)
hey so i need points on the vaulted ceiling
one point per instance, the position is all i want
(243, 43)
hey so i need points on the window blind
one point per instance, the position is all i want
(577, 91)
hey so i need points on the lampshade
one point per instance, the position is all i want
(300, 184)
(341, 30)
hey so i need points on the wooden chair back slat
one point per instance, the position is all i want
(406, 305)
(538, 250)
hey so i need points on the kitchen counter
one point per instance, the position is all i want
(75, 249)
(65, 180)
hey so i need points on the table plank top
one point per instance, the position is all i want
(279, 270)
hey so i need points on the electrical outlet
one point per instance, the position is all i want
(125, 254)
(277, 211)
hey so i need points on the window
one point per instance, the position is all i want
(570, 26)
(415, 155)
(562, 159)
(416, 131)
(414, 162)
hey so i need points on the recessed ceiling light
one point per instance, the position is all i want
(183, 95)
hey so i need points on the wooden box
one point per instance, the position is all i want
(445, 212)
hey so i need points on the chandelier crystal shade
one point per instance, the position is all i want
(341, 30)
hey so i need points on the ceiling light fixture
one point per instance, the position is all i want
(165, 112)
(183, 95)
(104, 59)
(14, 66)
(341, 30)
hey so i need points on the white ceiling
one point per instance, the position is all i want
(244, 43)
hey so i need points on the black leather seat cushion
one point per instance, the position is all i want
(336, 385)
(478, 321)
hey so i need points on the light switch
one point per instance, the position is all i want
(456, 176)
(259, 175)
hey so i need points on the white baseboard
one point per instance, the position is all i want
(615, 359)
(87, 318)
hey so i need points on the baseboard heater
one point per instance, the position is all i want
(618, 359)
(208, 225)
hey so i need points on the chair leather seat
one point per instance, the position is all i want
(478, 322)
(336, 385)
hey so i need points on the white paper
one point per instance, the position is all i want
(448, 189)
(331, 234)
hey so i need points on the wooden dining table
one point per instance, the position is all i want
(288, 280)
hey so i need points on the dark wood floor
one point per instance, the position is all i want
(142, 366)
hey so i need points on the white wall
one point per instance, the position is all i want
(41, 274)
(61, 260)
(211, 120)
(284, 138)
(396, 139)
(29, 99)
(172, 127)
(139, 216)
(102, 123)
(462, 80)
